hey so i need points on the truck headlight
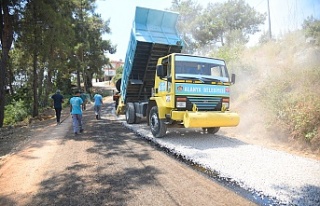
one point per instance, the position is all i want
(181, 104)
(225, 106)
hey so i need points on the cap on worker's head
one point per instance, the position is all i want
(58, 91)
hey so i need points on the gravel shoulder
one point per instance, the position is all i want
(273, 177)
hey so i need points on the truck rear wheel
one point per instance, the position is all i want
(138, 120)
(130, 113)
(211, 130)
(157, 126)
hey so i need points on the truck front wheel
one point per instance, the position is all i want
(211, 130)
(157, 126)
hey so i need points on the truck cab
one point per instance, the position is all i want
(192, 91)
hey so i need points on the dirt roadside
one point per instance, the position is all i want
(106, 165)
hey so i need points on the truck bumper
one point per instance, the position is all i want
(209, 119)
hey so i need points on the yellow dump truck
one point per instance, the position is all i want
(168, 88)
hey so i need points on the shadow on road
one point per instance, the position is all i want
(77, 186)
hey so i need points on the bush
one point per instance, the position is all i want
(294, 102)
(15, 112)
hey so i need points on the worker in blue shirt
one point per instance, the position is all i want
(97, 105)
(76, 112)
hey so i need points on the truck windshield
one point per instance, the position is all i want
(191, 67)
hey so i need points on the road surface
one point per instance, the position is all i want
(106, 165)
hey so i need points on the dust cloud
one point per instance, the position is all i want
(267, 77)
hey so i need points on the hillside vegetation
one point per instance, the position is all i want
(277, 91)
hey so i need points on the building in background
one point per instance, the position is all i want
(110, 70)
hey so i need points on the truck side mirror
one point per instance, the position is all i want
(233, 78)
(160, 71)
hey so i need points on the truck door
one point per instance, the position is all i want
(165, 84)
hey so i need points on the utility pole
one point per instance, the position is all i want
(270, 34)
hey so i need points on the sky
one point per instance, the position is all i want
(286, 15)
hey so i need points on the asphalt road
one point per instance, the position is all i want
(106, 165)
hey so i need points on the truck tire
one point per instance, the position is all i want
(130, 113)
(157, 126)
(137, 120)
(211, 130)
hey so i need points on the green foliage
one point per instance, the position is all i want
(230, 22)
(118, 75)
(63, 84)
(311, 27)
(15, 112)
(23, 94)
(66, 100)
(228, 53)
(187, 10)
(236, 37)
(53, 39)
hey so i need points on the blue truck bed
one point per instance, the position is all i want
(153, 35)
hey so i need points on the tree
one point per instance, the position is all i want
(8, 15)
(90, 48)
(53, 39)
(225, 22)
(43, 37)
(311, 27)
(94, 55)
(118, 75)
(187, 10)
